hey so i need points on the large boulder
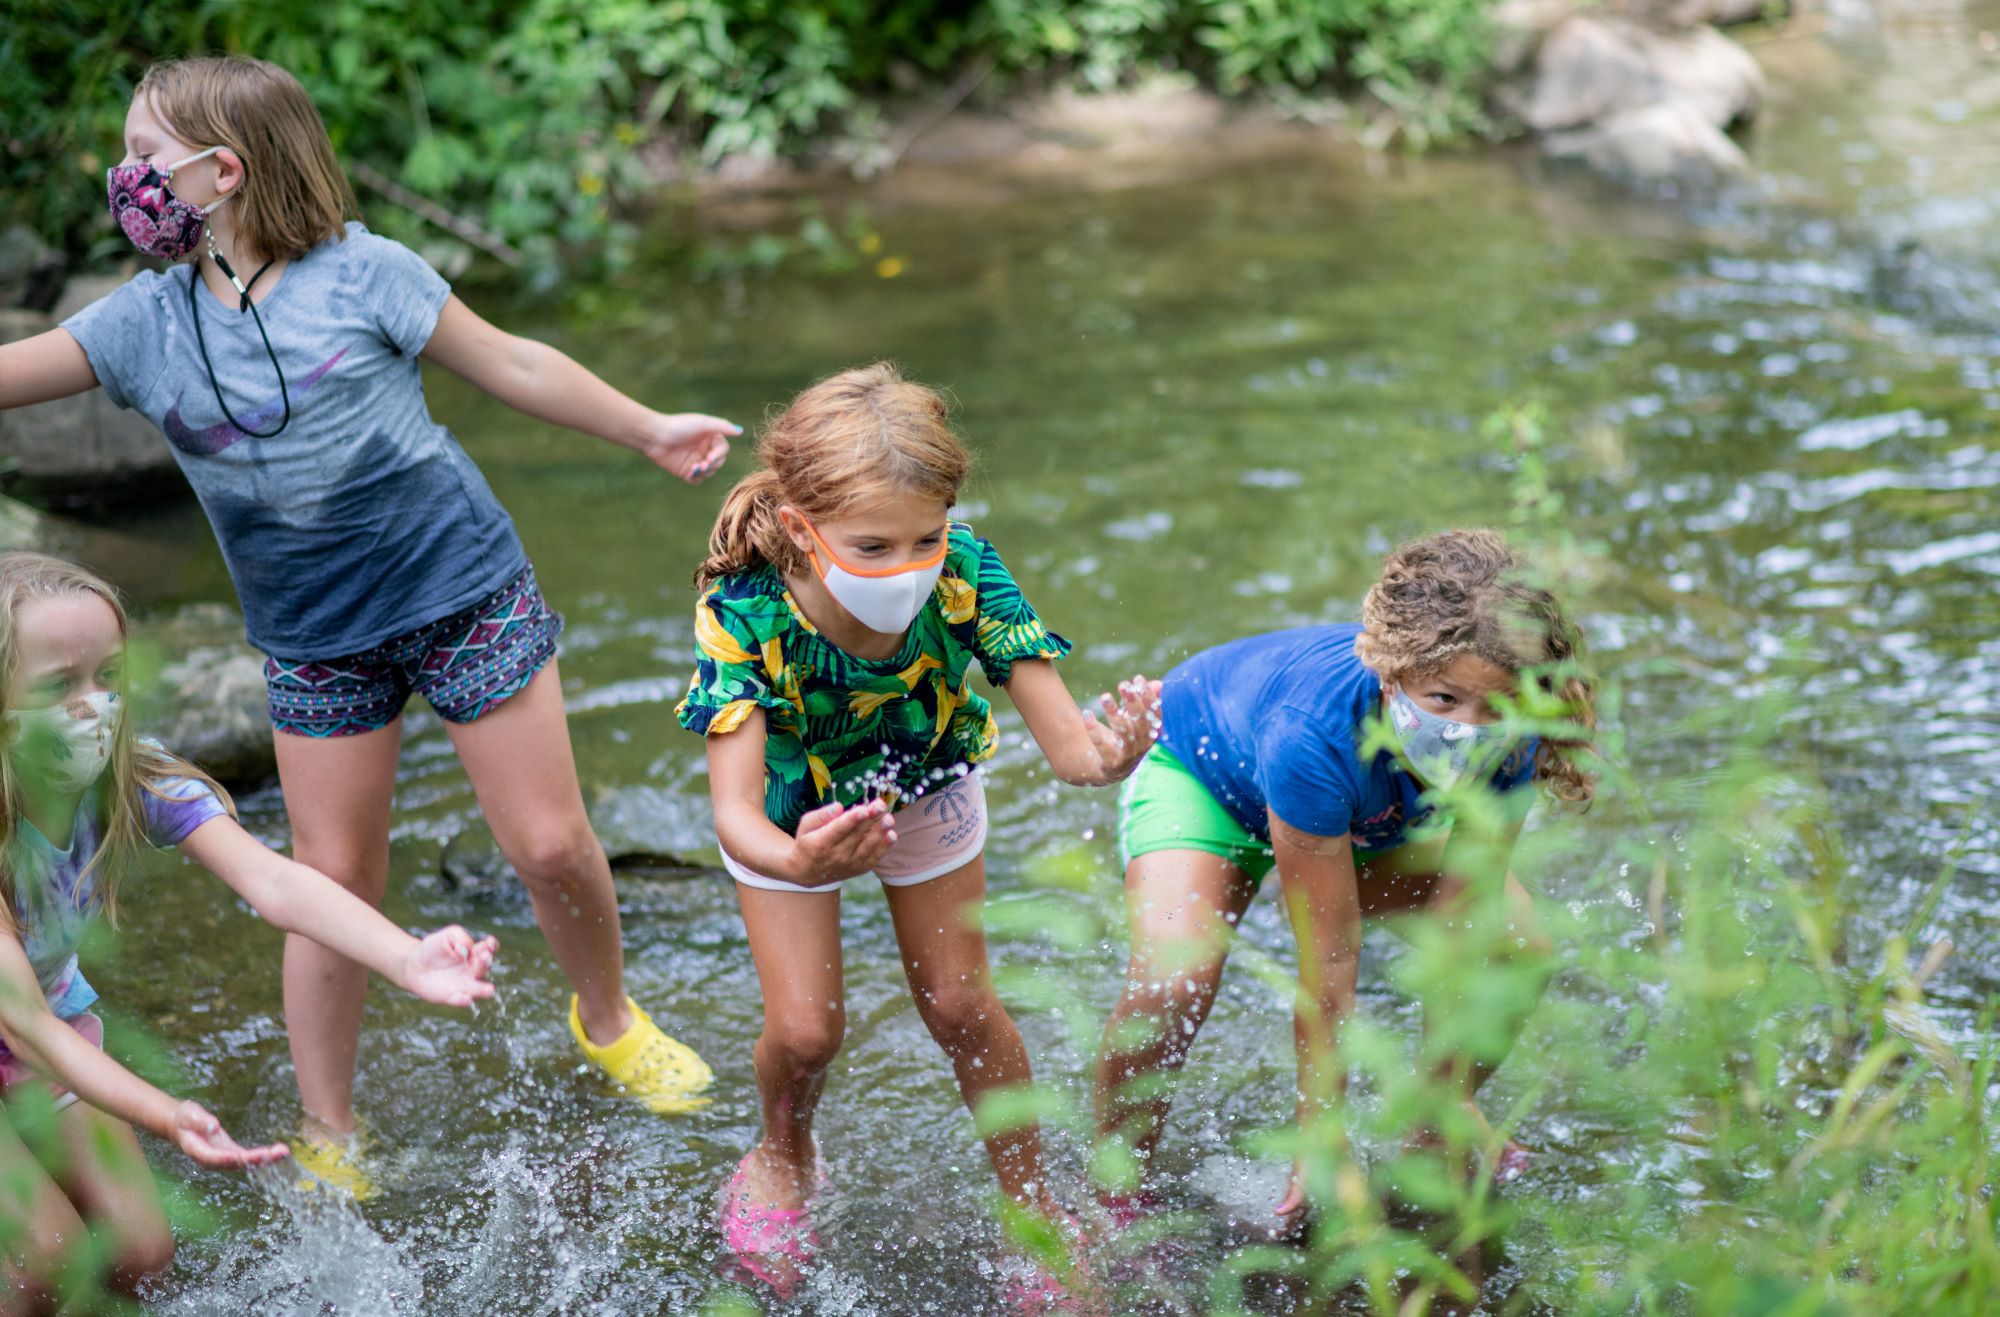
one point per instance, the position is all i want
(81, 449)
(1630, 99)
(31, 271)
(645, 829)
(207, 701)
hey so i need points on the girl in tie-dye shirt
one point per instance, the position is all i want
(80, 798)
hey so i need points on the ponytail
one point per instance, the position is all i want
(747, 530)
(851, 440)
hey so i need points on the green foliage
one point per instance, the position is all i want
(532, 122)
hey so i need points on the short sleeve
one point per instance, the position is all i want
(739, 662)
(407, 294)
(1519, 768)
(176, 806)
(1304, 774)
(1006, 628)
(121, 333)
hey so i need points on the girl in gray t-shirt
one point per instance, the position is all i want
(372, 559)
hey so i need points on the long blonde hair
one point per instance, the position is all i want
(849, 441)
(1464, 592)
(294, 193)
(135, 766)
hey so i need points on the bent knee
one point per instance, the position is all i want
(552, 852)
(958, 1013)
(807, 1044)
(144, 1259)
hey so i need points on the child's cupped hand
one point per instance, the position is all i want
(202, 1137)
(1130, 725)
(841, 841)
(449, 967)
(689, 444)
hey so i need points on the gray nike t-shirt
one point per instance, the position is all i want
(363, 519)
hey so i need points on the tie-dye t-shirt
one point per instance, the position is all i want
(362, 519)
(55, 900)
(851, 729)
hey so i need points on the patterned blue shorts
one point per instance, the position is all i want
(464, 665)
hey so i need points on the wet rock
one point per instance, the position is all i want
(1658, 142)
(1694, 13)
(207, 703)
(21, 527)
(472, 864)
(643, 829)
(1635, 101)
(31, 271)
(649, 827)
(82, 449)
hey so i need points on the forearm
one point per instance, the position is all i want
(305, 901)
(53, 1049)
(1326, 1000)
(547, 384)
(755, 842)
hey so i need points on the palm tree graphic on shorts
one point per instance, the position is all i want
(952, 810)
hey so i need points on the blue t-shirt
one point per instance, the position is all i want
(55, 899)
(1274, 723)
(363, 519)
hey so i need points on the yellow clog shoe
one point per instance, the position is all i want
(335, 1160)
(645, 1063)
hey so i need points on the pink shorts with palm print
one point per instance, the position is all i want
(942, 830)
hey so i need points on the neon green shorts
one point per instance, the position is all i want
(1164, 807)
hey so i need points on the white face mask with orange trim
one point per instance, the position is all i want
(884, 599)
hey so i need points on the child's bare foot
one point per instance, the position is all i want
(775, 1182)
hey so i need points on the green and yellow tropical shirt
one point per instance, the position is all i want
(850, 729)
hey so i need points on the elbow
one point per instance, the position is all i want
(277, 905)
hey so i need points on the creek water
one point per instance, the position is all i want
(1204, 407)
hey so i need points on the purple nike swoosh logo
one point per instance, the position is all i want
(213, 439)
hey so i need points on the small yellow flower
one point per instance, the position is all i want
(589, 184)
(626, 134)
(870, 243)
(889, 266)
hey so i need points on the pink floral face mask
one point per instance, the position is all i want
(158, 222)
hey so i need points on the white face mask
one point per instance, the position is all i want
(883, 599)
(65, 745)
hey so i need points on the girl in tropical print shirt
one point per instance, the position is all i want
(839, 618)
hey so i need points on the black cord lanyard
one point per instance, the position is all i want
(243, 290)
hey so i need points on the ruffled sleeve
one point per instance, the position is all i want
(740, 663)
(1005, 627)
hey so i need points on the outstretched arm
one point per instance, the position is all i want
(546, 384)
(47, 366)
(1083, 751)
(1323, 900)
(53, 1049)
(448, 967)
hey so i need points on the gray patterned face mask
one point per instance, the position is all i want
(1443, 750)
